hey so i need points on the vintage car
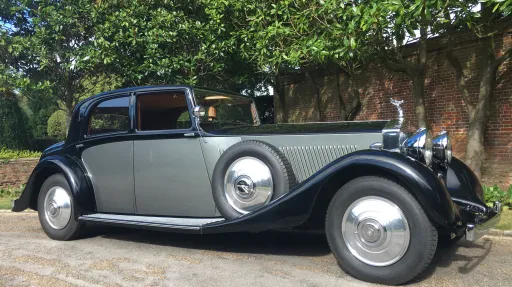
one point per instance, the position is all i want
(194, 160)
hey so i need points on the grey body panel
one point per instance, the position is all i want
(110, 167)
(171, 178)
(309, 153)
(213, 147)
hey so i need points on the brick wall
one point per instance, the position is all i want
(16, 172)
(445, 107)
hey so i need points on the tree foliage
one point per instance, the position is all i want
(48, 45)
(13, 123)
(57, 125)
(167, 42)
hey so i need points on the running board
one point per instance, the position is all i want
(175, 224)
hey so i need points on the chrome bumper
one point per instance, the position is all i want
(484, 223)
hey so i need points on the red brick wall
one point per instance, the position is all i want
(445, 107)
(16, 172)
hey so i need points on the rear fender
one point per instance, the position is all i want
(81, 190)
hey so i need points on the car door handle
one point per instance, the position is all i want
(189, 134)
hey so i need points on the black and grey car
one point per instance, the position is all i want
(184, 159)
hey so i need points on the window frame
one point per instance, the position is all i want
(186, 94)
(90, 112)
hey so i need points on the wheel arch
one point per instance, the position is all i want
(416, 178)
(81, 188)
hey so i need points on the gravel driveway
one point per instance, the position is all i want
(125, 257)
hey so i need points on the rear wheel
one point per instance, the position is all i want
(56, 209)
(378, 232)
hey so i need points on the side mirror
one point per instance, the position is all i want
(199, 111)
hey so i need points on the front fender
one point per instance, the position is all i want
(295, 207)
(423, 183)
(81, 190)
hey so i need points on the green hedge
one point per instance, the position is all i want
(16, 154)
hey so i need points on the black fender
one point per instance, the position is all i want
(462, 183)
(295, 207)
(81, 188)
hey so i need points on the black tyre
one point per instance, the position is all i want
(249, 175)
(56, 209)
(378, 232)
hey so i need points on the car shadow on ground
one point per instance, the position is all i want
(446, 256)
(270, 242)
(292, 243)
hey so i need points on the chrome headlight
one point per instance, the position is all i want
(419, 146)
(443, 148)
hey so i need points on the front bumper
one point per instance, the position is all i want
(480, 219)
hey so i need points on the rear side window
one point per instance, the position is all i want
(162, 111)
(110, 116)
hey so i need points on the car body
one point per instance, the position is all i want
(149, 157)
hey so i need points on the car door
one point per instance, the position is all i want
(107, 153)
(169, 169)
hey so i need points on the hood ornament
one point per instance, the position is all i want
(397, 104)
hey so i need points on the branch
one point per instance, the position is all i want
(459, 75)
(395, 67)
(497, 63)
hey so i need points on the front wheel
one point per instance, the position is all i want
(56, 209)
(378, 232)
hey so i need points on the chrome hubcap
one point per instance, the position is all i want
(57, 207)
(248, 184)
(375, 231)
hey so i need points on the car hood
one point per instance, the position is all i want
(306, 128)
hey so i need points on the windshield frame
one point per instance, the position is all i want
(227, 94)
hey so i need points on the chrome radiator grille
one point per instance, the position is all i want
(306, 161)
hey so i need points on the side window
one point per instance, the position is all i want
(183, 121)
(110, 116)
(162, 111)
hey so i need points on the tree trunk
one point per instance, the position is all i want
(418, 88)
(354, 107)
(475, 152)
(341, 102)
(312, 79)
(479, 112)
(278, 86)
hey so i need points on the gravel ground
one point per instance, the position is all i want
(125, 257)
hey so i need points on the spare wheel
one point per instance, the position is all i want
(249, 175)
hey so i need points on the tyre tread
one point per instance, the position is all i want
(283, 161)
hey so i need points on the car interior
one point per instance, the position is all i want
(162, 111)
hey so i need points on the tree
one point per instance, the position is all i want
(286, 37)
(484, 18)
(400, 30)
(57, 125)
(13, 123)
(48, 44)
(167, 42)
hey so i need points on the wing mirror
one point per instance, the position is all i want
(199, 111)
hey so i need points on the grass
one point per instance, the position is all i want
(5, 202)
(505, 220)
